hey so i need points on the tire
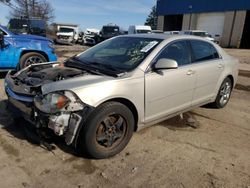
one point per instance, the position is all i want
(224, 94)
(107, 131)
(31, 58)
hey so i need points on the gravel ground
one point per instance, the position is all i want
(170, 154)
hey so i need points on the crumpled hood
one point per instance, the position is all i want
(95, 89)
(76, 83)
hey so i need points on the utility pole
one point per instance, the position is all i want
(26, 9)
(33, 7)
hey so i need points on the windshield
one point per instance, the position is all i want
(37, 26)
(19, 26)
(120, 53)
(143, 31)
(66, 30)
(24, 26)
(200, 34)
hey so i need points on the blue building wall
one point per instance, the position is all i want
(173, 7)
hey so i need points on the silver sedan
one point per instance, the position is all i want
(98, 98)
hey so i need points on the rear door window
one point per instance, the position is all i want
(203, 51)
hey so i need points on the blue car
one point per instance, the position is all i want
(19, 51)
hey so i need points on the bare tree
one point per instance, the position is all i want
(30, 8)
(5, 1)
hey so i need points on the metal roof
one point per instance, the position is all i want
(173, 7)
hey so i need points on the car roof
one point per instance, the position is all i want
(163, 36)
(195, 31)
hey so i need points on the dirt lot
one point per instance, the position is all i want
(170, 154)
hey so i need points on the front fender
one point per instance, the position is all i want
(25, 46)
(131, 90)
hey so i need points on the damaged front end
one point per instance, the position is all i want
(60, 111)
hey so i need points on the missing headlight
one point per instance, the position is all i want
(64, 101)
(51, 103)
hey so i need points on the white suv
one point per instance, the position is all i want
(198, 33)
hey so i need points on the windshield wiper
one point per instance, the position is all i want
(77, 63)
(106, 66)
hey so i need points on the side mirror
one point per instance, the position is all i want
(165, 64)
(2, 45)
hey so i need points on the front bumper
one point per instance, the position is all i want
(64, 39)
(21, 109)
(20, 105)
(89, 41)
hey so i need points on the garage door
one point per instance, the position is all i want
(213, 23)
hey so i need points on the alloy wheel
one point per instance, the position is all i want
(225, 93)
(33, 60)
(111, 131)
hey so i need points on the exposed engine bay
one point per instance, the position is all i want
(41, 74)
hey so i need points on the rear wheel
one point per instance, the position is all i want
(31, 58)
(224, 94)
(107, 131)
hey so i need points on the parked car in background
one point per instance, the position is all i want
(92, 32)
(139, 29)
(198, 33)
(63, 33)
(97, 99)
(19, 51)
(157, 31)
(90, 36)
(217, 39)
(108, 31)
(172, 32)
(27, 26)
(66, 34)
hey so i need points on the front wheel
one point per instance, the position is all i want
(107, 131)
(31, 58)
(224, 94)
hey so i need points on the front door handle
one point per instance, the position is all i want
(190, 72)
(220, 65)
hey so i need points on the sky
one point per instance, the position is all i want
(96, 13)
